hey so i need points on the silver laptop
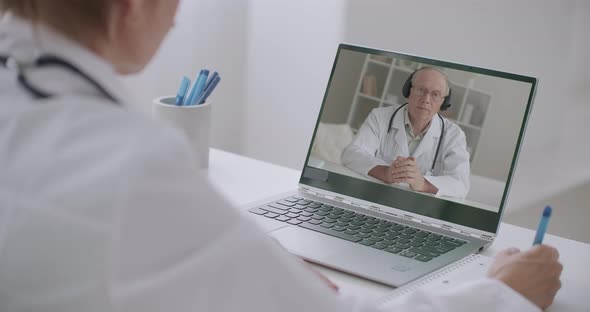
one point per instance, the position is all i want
(361, 207)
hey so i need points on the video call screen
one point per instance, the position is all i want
(389, 120)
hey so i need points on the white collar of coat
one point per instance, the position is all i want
(399, 123)
(431, 135)
(408, 123)
(20, 40)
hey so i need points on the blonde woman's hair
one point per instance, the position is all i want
(74, 18)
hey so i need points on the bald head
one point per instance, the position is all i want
(428, 91)
(434, 71)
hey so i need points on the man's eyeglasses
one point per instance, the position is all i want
(436, 96)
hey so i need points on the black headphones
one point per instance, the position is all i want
(408, 85)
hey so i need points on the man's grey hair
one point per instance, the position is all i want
(437, 70)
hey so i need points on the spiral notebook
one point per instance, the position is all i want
(467, 269)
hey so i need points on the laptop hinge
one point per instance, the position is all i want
(403, 216)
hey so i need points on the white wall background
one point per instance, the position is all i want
(291, 47)
(275, 59)
(208, 34)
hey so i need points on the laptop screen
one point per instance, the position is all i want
(426, 136)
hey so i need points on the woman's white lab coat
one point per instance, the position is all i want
(375, 145)
(100, 210)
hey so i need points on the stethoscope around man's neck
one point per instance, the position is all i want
(46, 61)
(440, 139)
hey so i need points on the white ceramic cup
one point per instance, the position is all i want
(194, 121)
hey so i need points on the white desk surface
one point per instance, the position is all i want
(244, 180)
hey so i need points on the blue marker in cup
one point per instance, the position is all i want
(181, 94)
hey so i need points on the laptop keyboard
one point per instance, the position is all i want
(355, 227)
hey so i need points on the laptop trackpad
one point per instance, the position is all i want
(346, 256)
(309, 244)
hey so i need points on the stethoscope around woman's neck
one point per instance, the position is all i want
(46, 61)
(440, 139)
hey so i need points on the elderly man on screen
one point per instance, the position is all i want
(408, 144)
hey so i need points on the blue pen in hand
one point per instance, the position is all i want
(184, 83)
(542, 226)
